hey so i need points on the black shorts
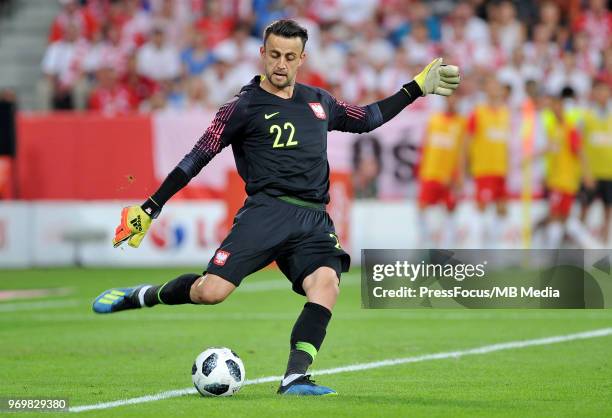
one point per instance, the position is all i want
(300, 239)
(602, 190)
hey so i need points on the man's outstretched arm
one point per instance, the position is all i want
(434, 79)
(135, 220)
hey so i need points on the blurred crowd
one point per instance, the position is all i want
(120, 56)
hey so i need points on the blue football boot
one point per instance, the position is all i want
(115, 300)
(304, 386)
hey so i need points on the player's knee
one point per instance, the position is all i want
(211, 298)
(208, 297)
(211, 290)
(333, 286)
(323, 280)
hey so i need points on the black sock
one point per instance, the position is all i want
(174, 292)
(306, 337)
(298, 363)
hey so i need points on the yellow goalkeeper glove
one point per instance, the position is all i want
(439, 79)
(134, 225)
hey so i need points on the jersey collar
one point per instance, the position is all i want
(257, 80)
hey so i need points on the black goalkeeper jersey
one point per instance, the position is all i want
(280, 145)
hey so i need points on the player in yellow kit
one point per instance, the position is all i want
(441, 171)
(598, 150)
(566, 168)
(489, 134)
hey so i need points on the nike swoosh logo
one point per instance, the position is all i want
(270, 115)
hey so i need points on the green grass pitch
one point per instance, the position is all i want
(57, 347)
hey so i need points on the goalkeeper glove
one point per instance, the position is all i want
(439, 79)
(133, 227)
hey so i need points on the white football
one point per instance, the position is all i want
(218, 371)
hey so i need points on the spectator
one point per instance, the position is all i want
(302, 12)
(358, 81)
(563, 38)
(108, 13)
(196, 95)
(566, 73)
(155, 103)
(550, 16)
(173, 24)
(605, 74)
(541, 51)
(310, 76)
(355, 13)
(398, 16)
(516, 74)
(421, 12)
(102, 10)
(110, 97)
(158, 60)
(223, 79)
(395, 21)
(512, 32)
(329, 58)
(470, 88)
(267, 11)
(596, 21)
(176, 94)
(72, 15)
(140, 86)
(394, 75)
(182, 10)
(215, 24)
(375, 48)
(325, 11)
(189, 95)
(587, 59)
(492, 55)
(196, 58)
(63, 87)
(476, 29)
(137, 24)
(241, 45)
(109, 51)
(458, 48)
(418, 45)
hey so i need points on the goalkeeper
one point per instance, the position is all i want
(278, 132)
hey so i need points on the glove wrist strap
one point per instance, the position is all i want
(151, 208)
(413, 90)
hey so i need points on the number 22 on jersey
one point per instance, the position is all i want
(279, 141)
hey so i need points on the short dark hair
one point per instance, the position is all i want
(567, 92)
(286, 28)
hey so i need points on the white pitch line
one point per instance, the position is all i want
(603, 332)
(32, 306)
(471, 315)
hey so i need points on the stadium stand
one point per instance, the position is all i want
(23, 32)
(551, 42)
